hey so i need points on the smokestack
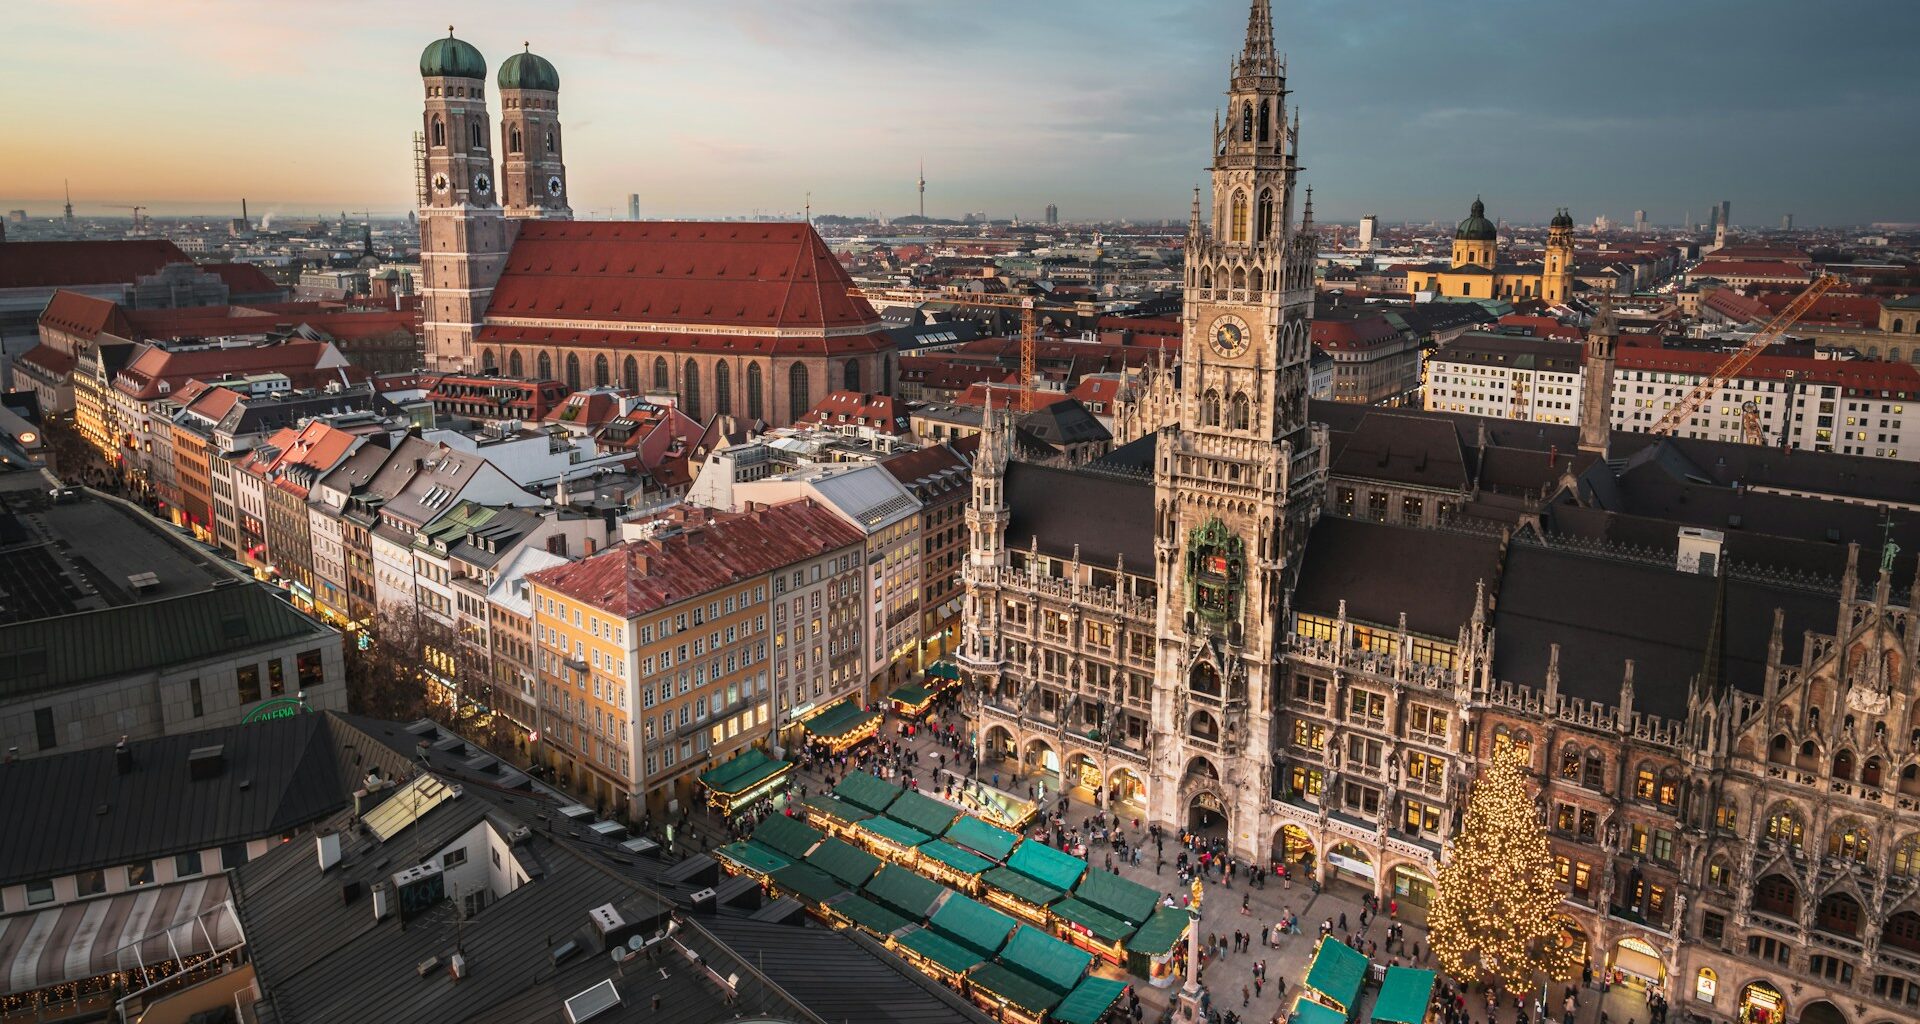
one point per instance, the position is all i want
(243, 212)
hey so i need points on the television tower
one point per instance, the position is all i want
(923, 188)
(69, 187)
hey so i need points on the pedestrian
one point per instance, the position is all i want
(1343, 920)
(1246, 996)
(1245, 905)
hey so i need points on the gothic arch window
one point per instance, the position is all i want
(513, 139)
(1238, 226)
(1246, 122)
(1242, 411)
(723, 389)
(440, 138)
(514, 367)
(1201, 768)
(1843, 765)
(660, 381)
(1899, 325)
(1266, 117)
(1210, 408)
(1777, 895)
(1871, 771)
(1784, 826)
(487, 361)
(552, 142)
(1570, 763)
(545, 366)
(1239, 279)
(1910, 780)
(477, 134)
(1809, 759)
(756, 403)
(573, 372)
(1263, 219)
(1202, 725)
(1519, 741)
(690, 389)
(1850, 840)
(1839, 913)
(1206, 277)
(852, 375)
(630, 375)
(799, 391)
(1906, 858)
(1594, 774)
(600, 371)
(1204, 679)
(1779, 750)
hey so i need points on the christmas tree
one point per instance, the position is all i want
(1496, 907)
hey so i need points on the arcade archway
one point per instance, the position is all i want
(1639, 962)
(996, 744)
(1083, 772)
(1761, 1003)
(1040, 759)
(1294, 848)
(1127, 792)
(1409, 885)
(1822, 1012)
(1207, 815)
(1349, 863)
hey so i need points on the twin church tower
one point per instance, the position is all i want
(468, 217)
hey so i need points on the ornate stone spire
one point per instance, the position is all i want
(1257, 57)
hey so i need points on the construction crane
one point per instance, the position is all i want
(1738, 361)
(1029, 332)
(139, 222)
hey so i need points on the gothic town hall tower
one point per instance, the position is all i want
(1237, 479)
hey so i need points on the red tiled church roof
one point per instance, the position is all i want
(83, 315)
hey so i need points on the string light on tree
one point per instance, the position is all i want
(1496, 908)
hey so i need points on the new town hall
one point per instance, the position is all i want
(1300, 625)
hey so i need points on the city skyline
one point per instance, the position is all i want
(835, 99)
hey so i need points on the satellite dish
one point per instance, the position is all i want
(619, 954)
(637, 943)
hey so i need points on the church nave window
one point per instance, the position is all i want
(1263, 219)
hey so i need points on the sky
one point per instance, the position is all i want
(1409, 108)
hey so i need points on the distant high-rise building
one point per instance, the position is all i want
(16, 216)
(1640, 221)
(633, 206)
(1369, 228)
(1786, 222)
(1602, 222)
(1053, 215)
(1726, 215)
(923, 188)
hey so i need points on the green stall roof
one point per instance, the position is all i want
(964, 861)
(810, 882)
(990, 841)
(1048, 960)
(910, 695)
(923, 812)
(1337, 972)
(1404, 996)
(1089, 1001)
(749, 769)
(790, 837)
(973, 924)
(1104, 926)
(754, 857)
(867, 792)
(845, 862)
(893, 831)
(1046, 865)
(943, 670)
(1158, 936)
(1019, 886)
(870, 915)
(1016, 988)
(941, 950)
(1128, 901)
(839, 810)
(839, 719)
(905, 892)
(1306, 1011)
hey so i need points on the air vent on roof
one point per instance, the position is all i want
(593, 1002)
(206, 762)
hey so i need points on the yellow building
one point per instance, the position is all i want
(1475, 271)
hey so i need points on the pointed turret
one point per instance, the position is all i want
(1713, 662)
(1257, 56)
(1306, 214)
(1596, 397)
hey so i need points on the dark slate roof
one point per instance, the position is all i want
(1603, 612)
(1402, 449)
(842, 976)
(1063, 423)
(1106, 515)
(72, 812)
(1366, 565)
(66, 650)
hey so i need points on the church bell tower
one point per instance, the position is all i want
(1238, 480)
(463, 237)
(533, 177)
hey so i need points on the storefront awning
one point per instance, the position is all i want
(789, 837)
(1337, 972)
(869, 915)
(1089, 1001)
(1403, 996)
(88, 938)
(1022, 888)
(1004, 983)
(905, 892)
(944, 670)
(1129, 901)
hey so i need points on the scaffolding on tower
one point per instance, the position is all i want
(420, 167)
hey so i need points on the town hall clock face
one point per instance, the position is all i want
(482, 184)
(1228, 336)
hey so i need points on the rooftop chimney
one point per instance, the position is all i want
(123, 757)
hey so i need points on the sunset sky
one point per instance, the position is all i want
(728, 107)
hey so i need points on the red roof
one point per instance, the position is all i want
(1842, 310)
(154, 365)
(66, 264)
(1735, 306)
(881, 412)
(1858, 376)
(1765, 270)
(1542, 326)
(242, 278)
(83, 315)
(1166, 327)
(1097, 393)
(51, 361)
(642, 576)
(655, 341)
(770, 276)
(1361, 332)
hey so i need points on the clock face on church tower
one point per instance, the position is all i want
(1228, 336)
(554, 186)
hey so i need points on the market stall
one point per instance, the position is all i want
(841, 725)
(736, 783)
(1406, 997)
(1336, 974)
